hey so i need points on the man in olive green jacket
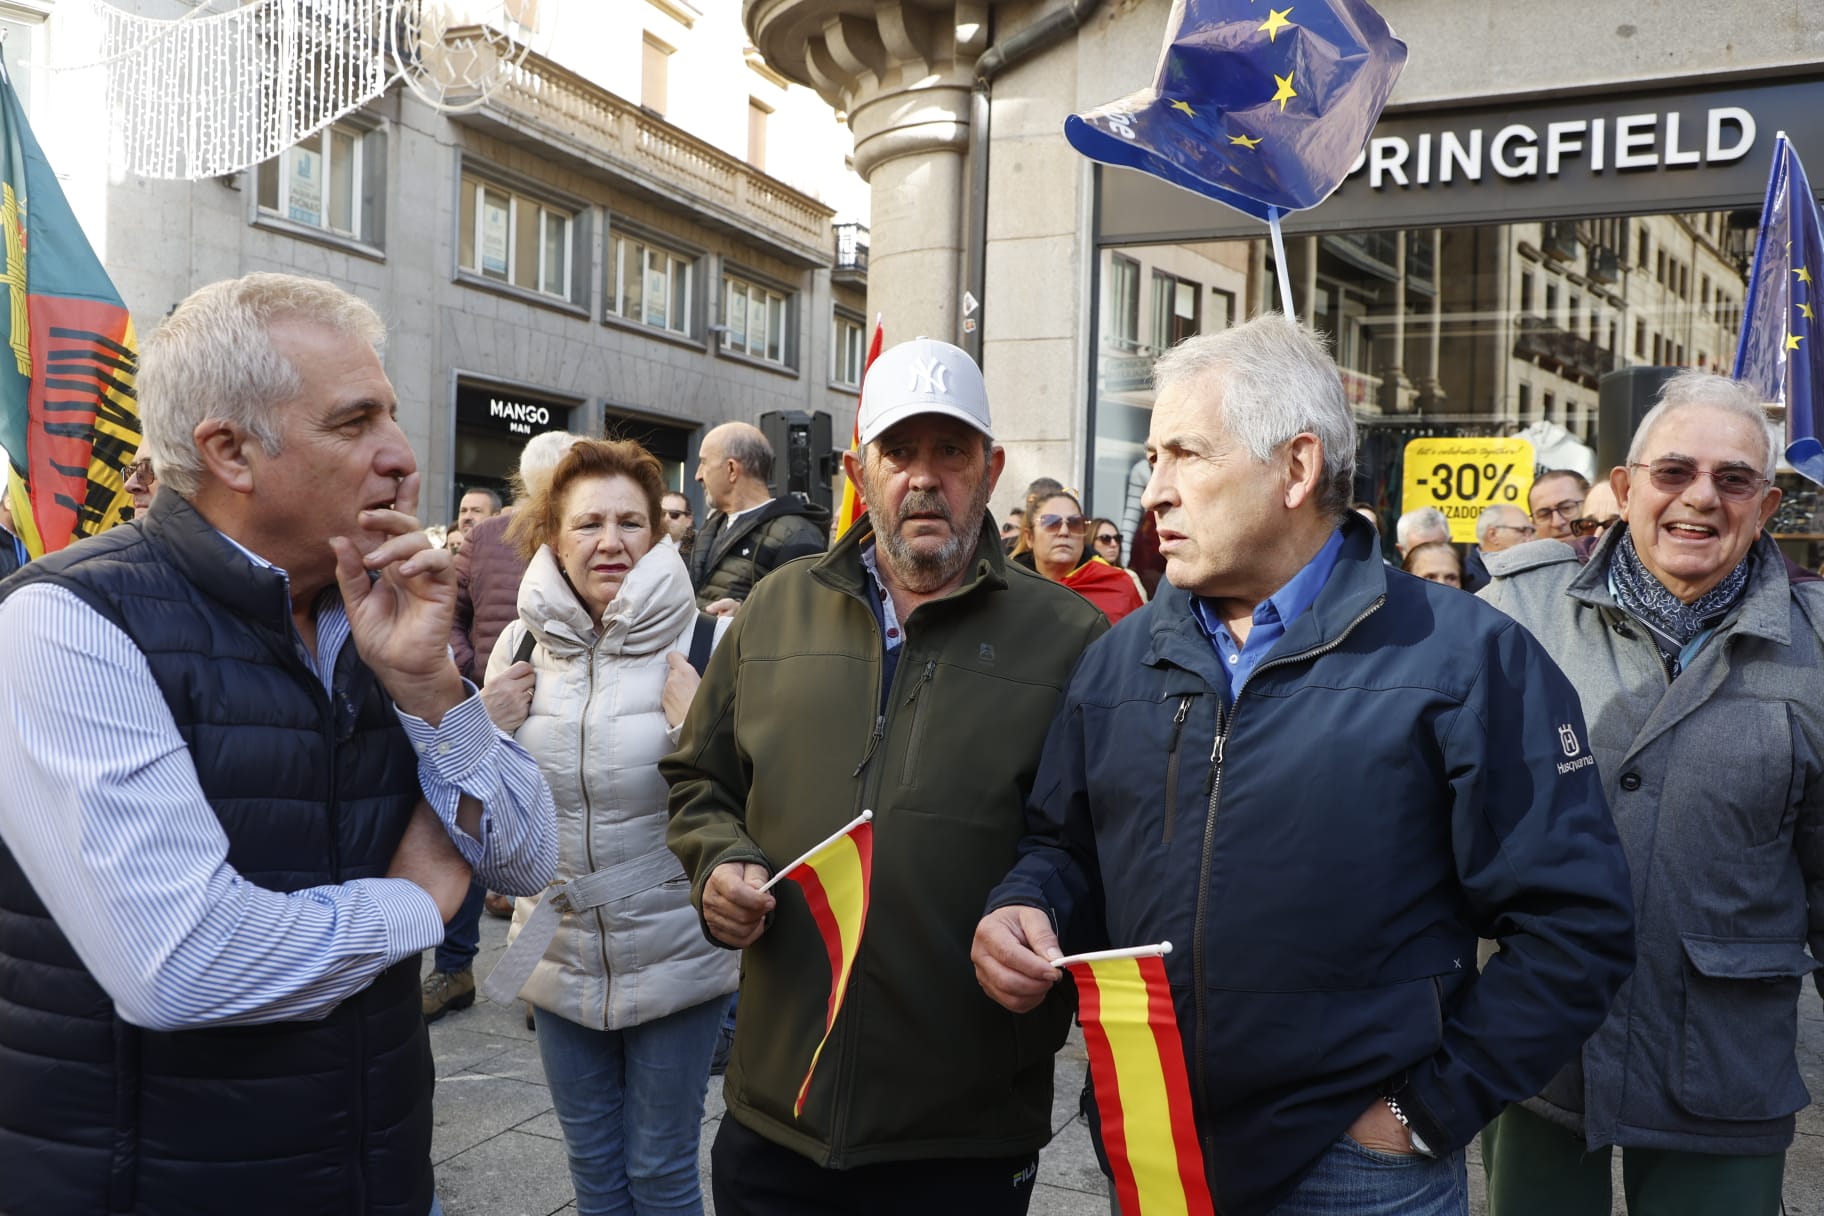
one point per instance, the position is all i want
(912, 672)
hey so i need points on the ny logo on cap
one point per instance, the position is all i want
(929, 376)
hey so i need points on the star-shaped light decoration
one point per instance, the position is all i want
(1286, 91)
(1275, 22)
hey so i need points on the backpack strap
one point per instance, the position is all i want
(702, 641)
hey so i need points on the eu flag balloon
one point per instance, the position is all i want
(1254, 106)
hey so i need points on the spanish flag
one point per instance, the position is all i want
(69, 420)
(834, 877)
(852, 507)
(1143, 1094)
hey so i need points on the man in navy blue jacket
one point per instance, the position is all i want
(1322, 780)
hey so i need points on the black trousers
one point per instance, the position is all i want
(752, 1176)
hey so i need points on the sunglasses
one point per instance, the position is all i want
(1589, 525)
(1567, 509)
(1076, 525)
(1674, 476)
(1108, 538)
(671, 514)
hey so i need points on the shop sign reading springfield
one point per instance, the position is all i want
(1691, 149)
(494, 410)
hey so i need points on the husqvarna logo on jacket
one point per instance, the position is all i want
(1573, 748)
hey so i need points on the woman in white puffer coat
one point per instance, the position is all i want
(627, 993)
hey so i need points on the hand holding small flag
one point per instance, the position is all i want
(1015, 955)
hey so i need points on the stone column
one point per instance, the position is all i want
(1393, 373)
(903, 73)
(1431, 391)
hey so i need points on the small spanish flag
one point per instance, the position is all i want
(852, 507)
(834, 877)
(1143, 1094)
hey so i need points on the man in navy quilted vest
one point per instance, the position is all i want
(246, 788)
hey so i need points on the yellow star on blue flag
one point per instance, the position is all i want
(1184, 106)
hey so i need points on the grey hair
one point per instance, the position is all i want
(1278, 381)
(1490, 519)
(538, 460)
(213, 358)
(747, 447)
(1694, 388)
(1413, 523)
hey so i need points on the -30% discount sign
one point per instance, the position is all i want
(1464, 477)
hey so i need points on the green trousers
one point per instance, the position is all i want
(1536, 1168)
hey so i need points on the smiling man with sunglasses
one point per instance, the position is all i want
(1696, 655)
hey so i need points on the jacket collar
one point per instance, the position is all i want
(210, 563)
(1356, 586)
(841, 567)
(647, 614)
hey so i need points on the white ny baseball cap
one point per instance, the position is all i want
(923, 376)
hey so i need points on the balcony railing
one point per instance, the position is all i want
(546, 103)
(1555, 349)
(851, 249)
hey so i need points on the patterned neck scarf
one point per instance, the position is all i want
(1672, 621)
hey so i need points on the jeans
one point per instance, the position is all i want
(462, 936)
(1350, 1180)
(631, 1105)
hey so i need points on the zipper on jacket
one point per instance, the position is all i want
(917, 733)
(582, 782)
(1171, 766)
(1225, 722)
(880, 729)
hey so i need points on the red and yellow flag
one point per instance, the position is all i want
(834, 877)
(1143, 1094)
(852, 506)
(68, 416)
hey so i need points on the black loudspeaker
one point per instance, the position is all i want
(1626, 396)
(803, 461)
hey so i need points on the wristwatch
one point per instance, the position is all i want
(1418, 1144)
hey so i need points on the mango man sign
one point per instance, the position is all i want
(1464, 477)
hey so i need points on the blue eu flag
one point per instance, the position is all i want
(1782, 348)
(1254, 106)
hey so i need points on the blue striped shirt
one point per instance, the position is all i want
(106, 817)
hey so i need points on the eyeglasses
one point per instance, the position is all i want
(1108, 538)
(141, 469)
(1566, 510)
(1673, 476)
(1522, 529)
(671, 514)
(1076, 525)
(1589, 525)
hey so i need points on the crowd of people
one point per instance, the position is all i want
(1543, 863)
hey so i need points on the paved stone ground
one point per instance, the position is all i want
(499, 1151)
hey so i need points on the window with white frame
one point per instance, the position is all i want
(512, 238)
(650, 285)
(323, 182)
(848, 350)
(757, 320)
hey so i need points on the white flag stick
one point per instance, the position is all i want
(1097, 956)
(1279, 265)
(850, 826)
